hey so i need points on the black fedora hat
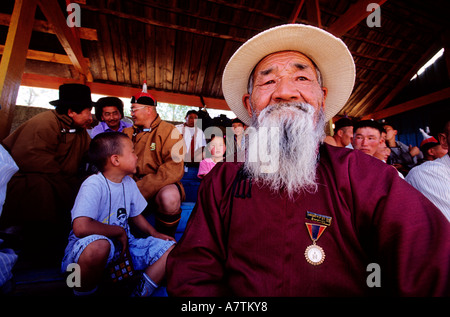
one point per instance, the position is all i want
(73, 95)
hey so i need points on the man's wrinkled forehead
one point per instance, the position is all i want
(297, 59)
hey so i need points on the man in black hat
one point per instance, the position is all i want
(48, 149)
(343, 133)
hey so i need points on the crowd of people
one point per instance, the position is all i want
(308, 225)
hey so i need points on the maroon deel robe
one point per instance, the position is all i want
(255, 246)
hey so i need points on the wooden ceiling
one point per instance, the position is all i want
(180, 47)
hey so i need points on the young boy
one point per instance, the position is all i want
(100, 230)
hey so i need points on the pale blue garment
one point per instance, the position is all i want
(7, 169)
(7, 260)
(7, 256)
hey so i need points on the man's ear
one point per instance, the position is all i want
(70, 112)
(247, 104)
(325, 93)
(443, 140)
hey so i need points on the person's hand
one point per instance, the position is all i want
(163, 236)
(123, 239)
(414, 150)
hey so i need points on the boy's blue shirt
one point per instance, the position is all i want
(108, 202)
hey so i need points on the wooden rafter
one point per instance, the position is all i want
(51, 82)
(313, 12)
(45, 27)
(45, 56)
(406, 78)
(296, 11)
(411, 104)
(13, 60)
(167, 25)
(69, 42)
(355, 14)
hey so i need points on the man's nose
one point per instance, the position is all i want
(364, 141)
(286, 91)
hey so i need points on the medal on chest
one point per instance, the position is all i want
(314, 254)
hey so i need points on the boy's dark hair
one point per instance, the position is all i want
(369, 124)
(107, 102)
(103, 146)
(190, 112)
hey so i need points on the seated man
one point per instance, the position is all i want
(367, 136)
(48, 150)
(194, 138)
(158, 171)
(403, 157)
(343, 133)
(312, 224)
(239, 142)
(431, 148)
(370, 138)
(109, 111)
(431, 178)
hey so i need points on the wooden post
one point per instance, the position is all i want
(13, 60)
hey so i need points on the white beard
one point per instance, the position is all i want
(286, 137)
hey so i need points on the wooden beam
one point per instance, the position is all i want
(163, 24)
(13, 60)
(313, 13)
(355, 14)
(45, 27)
(45, 56)
(50, 82)
(296, 11)
(446, 45)
(412, 104)
(405, 80)
(71, 45)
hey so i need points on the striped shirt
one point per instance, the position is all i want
(432, 179)
(7, 256)
(7, 169)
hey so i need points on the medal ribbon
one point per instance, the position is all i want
(315, 231)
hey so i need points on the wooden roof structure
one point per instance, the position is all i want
(180, 47)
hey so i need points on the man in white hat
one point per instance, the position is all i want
(312, 220)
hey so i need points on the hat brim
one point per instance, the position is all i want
(68, 103)
(329, 53)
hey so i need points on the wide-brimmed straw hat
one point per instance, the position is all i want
(328, 52)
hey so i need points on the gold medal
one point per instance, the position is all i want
(314, 254)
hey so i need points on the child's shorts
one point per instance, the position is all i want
(144, 252)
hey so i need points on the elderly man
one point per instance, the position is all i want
(159, 169)
(327, 221)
